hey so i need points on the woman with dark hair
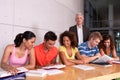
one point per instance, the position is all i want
(68, 49)
(19, 54)
(106, 46)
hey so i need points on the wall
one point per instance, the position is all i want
(39, 16)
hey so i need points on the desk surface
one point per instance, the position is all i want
(70, 73)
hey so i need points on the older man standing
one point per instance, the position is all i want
(81, 32)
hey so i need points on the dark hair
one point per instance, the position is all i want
(19, 38)
(71, 36)
(50, 36)
(101, 44)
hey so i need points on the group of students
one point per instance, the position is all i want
(23, 53)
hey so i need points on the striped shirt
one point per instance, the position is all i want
(84, 49)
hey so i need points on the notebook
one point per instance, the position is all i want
(4, 73)
(19, 76)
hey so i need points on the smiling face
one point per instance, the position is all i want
(29, 43)
(49, 44)
(66, 41)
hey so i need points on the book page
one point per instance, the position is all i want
(37, 72)
(43, 72)
(84, 67)
(103, 59)
(54, 72)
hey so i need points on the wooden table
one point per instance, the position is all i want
(71, 73)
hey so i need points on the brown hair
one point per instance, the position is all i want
(95, 35)
(71, 36)
(101, 44)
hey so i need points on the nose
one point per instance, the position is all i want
(51, 45)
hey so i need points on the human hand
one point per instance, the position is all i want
(98, 56)
(12, 70)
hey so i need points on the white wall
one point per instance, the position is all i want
(39, 16)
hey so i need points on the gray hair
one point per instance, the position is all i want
(79, 14)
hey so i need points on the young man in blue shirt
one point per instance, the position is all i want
(89, 49)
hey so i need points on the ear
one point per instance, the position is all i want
(92, 38)
(24, 40)
(44, 40)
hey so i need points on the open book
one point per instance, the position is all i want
(102, 60)
(4, 73)
(48, 70)
(43, 72)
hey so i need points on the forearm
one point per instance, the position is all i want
(116, 58)
(93, 58)
(5, 66)
(68, 62)
(77, 61)
(90, 59)
(29, 66)
(9, 68)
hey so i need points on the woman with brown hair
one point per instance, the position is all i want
(68, 49)
(106, 46)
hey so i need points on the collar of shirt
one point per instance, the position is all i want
(79, 26)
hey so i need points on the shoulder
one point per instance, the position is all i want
(61, 48)
(10, 46)
(54, 48)
(31, 51)
(76, 48)
(86, 29)
(38, 46)
(73, 26)
(84, 44)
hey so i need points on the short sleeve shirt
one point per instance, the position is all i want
(84, 49)
(74, 51)
(44, 58)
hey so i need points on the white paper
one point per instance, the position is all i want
(43, 72)
(103, 59)
(54, 71)
(37, 72)
(84, 67)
